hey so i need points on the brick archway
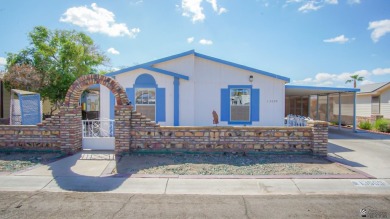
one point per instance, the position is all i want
(76, 89)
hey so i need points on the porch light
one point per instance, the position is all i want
(251, 78)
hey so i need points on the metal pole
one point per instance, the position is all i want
(318, 106)
(354, 112)
(339, 111)
(308, 106)
(327, 107)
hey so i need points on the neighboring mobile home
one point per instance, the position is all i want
(373, 101)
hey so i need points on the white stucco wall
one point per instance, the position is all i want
(385, 104)
(104, 102)
(363, 105)
(209, 77)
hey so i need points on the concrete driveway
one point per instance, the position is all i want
(364, 151)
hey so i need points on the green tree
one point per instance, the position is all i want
(54, 59)
(353, 79)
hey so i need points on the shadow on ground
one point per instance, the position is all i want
(84, 175)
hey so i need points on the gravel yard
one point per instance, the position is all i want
(16, 161)
(228, 164)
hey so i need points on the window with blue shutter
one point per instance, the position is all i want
(240, 104)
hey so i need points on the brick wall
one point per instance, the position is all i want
(142, 134)
(60, 132)
(63, 130)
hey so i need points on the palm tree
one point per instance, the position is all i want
(354, 78)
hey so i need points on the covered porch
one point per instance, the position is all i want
(331, 104)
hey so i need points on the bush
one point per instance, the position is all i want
(382, 125)
(365, 125)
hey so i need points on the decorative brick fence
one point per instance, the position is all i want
(63, 130)
(135, 132)
(145, 135)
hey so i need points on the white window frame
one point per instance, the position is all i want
(240, 105)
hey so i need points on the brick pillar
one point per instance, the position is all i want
(320, 137)
(122, 128)
(70, 131)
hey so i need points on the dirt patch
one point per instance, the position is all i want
(184, 164)
(17, 161)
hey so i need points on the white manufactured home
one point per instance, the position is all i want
(184, 90)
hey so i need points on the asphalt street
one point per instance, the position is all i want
(104, 205)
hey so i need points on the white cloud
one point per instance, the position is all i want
(193, 9)
(353, 2)
(222, 10)
(332, 2)
(310, 6)
(97, 20)
(328, 79)
(206, 42)
(190, 39)
(339, 39)
(381, 71)
(367, 82)
(113, 51)
(380, 28)
(3, 61)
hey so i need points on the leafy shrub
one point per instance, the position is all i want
(365, 125)
(382, 125)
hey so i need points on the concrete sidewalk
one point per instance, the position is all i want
(89, 172)
(195, 186)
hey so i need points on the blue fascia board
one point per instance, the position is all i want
(165, 72)
(242, 67)
(151, 63)
(336, 89)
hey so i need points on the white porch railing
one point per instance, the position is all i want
(294, 120)
(98, 128)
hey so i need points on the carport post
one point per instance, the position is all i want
(327, 107)
(339, 111)
(308, 106)
(318, 106)
(354, 112)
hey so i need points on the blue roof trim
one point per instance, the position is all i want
(148, 64)
(165, 72)
(242, 67)
(341, 89)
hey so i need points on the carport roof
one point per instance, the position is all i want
(297, 90)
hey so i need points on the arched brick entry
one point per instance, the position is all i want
(69, 115)
(76, 89)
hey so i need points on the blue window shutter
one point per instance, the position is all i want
(225, 105)
(160, 104)
(112, 106)
(255, 105)
(130, 95)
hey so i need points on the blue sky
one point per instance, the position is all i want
(313, 42)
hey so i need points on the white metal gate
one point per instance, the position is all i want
(98, 134)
